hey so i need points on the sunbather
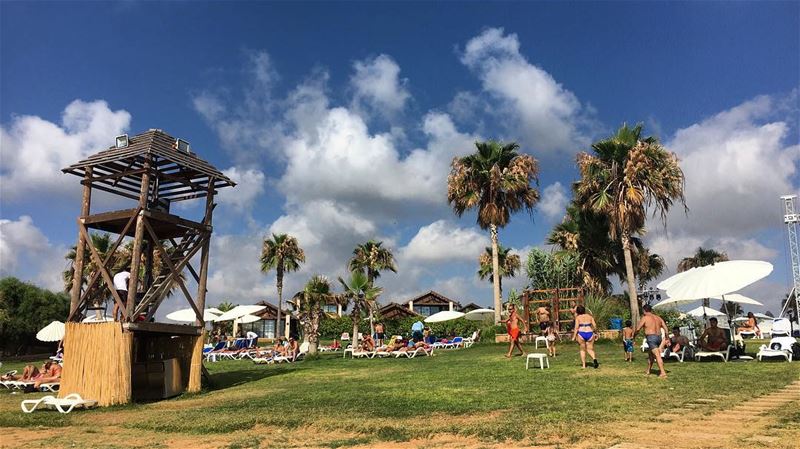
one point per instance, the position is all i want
(29, 373)
(50, 374)
(367, 343)
(750, 325)
(713, 339)
(279, 348)
(675, 342)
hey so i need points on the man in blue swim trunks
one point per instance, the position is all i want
(653, 324)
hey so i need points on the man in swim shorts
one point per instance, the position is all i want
(513, 330)
(543, 317)
(653, 324)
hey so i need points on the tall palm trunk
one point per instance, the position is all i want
(355, 317)
(632, 297)
(279, 283)
(371, 322)
(495, 274)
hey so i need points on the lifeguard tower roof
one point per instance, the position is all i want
(179, 173)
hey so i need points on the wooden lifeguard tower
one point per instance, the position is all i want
(136, 357)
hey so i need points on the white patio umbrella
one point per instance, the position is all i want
(52, 332)
(668, 282)
(214, 310)
(719, 279)
(238, 312)
(247, 319)
(188, 315)
(94, 319)
(673, 302)
(445, 315)
(704, 311)
(737, 298)
(480, 314)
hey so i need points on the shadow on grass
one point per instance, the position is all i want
(232, 378)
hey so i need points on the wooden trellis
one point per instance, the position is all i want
(560, 300)
(155, 170)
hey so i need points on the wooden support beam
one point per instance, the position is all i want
(77, 276)
(188, 264)
(100, 267)
(133, 282)
(202, 282)
(165, 257)
(109, 256)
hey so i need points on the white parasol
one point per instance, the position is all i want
(247, 319)
(445, 315)
(52, 332)
(716, 280)
(188, 315)
(737, 298)
(238, 312)
(704, 311)
(94, 319)
(480, 315)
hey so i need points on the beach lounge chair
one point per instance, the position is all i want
(455, 343)
(345, 336)
(471, 340)
(414, 353)
(674, 355)
(781, 327)
(724, 355)
(51, 387)
(63, 405)
(778, 347)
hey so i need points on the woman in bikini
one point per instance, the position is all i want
(584, 334)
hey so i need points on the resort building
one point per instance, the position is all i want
(394, 311)
(432, 302)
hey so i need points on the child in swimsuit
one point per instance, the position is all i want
(551, 335)
(627, 340)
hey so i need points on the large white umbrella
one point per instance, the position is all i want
(668, 282)
(52, 332)
(480, 314)
(238, 312)
(704, 311)
(188, 315)
(247, 319)
(719, 279)
(445, 315)
(673, 302)
(94, 319)
(737, 298)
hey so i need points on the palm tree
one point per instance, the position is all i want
(371, 258)
(308, 303)
(361, 295)
(496, 180)
(648, 266)
(701, 258)
(226, 326)
(509, 264)
(283, 254)
(627, 175)
(102, 243)
(586, 234)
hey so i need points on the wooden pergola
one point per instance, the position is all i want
(154, 170)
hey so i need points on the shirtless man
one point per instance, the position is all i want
(513, 330)
(713, 339)
(652, 325)
(676, 342)
(543, 317)
(379, 333)
(293, 350)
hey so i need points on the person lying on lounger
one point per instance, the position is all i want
(367, 343)
(29, 373)
(411, 347)
(675, 342)
(713, 338)
(50, 373)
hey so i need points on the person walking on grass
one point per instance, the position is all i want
(652, 325)
(583, 333)
(513, 330)
(551, 335)
(627, 340)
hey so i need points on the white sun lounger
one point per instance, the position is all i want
(778, 347)
(414, 353)
(675, 355)
(63, 405)
(724, 355)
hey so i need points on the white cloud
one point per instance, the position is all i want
(443, 241)
(25, 252)
(235, 271)
(249, 186)
(530, 100)
(377, 84)
(554, 201)
(33, 150)
(737, 165)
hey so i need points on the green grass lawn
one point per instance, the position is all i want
(474, 393)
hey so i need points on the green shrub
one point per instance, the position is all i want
(603, 308)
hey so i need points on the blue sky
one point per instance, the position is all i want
(340, 120)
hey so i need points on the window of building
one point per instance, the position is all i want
(329, 308)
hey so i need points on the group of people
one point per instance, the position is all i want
(652, 325)
(50, 372)
(394, 344)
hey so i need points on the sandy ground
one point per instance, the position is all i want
(699, 425)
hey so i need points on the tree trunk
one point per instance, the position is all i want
(371, 322)
(632, 297)
(279, 283)
(354, 338)
(313, 335)
(495, 274)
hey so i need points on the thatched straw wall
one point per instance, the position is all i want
(97, 363)
(196, 365)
